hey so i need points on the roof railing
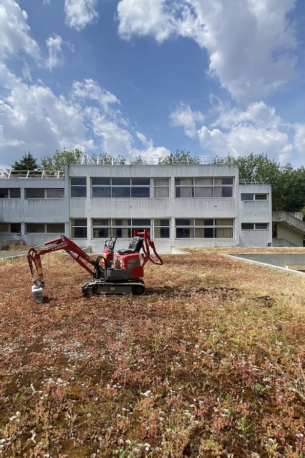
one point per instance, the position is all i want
(26, 174)
(250, 182)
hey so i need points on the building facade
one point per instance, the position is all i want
(182, 206)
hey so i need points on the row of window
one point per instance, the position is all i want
(32, 193)
(33, 228)
(138, 188)
(124, 228)
(185, 228)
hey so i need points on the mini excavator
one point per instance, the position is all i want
(114, 272)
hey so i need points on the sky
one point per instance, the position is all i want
(147, 77)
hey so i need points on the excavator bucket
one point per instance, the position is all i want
(37, 293)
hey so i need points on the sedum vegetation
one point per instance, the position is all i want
(210, 363)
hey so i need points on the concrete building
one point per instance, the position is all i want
(182, 205)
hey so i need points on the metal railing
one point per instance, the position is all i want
(249, 182)
(25, 174)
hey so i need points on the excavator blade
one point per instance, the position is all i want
(37, 293)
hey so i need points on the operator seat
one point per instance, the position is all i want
(135, 246)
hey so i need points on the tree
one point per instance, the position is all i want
(138, 161)
(107, 159)
(180, 157)
(287, 183)
(60, 159)
(27, 162)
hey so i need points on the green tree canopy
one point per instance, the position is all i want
(60, 159)
(288, 184)
(27, 162)
(179, 157)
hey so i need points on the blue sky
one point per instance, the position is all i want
(147, 77)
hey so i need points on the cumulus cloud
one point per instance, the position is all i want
(145, 17)
(80, 13)
(185, 117)
(149, 152)
(257, 129)
(90, 89)
(15, 32)
(56, 57)
(250, 43)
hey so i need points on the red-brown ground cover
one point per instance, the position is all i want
(209, 363)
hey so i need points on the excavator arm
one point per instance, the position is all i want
(61, 243)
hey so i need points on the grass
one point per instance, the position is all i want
(209, 363)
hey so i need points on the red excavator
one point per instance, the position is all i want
(114, 272)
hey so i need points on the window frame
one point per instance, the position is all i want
(254, 228)
(9, 193)
(74, 186)
(112, 186)
(212, 183)
(112, 227)
(10, 228)
(45, 228)
(254, 194)
(45, 194)
(195, 226)
(73, 226)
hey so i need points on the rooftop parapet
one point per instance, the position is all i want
(26, 174)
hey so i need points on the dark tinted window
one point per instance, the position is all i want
(101, 181)
(79, 222)
(121, 192)
(4, 193)
(247, 196)
(120, 181)
(183, 222)
(140, 192)
(140, 181)
(78, 191)
(78, 181)
(16, 228)
(14, 193)
(101, 192)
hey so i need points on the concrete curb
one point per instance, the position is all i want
(262, 264)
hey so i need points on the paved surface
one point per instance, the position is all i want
(11, 254)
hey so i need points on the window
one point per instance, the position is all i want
(33, 228)
(56, 228)
(120, 187)
(79, 187)
(204, 187)
(254, 196)
(161, 228)
(55, 193)
(79, 228)
(120, 227)
(10, 228)
(206, 228)
(41, 193)
(254, 226)
(42, 228)
(9, 193)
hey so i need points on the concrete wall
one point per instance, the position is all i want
(290, 234)
(23, 210)
(155, 208)
(63, 210)
(255, 211)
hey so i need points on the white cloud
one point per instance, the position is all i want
(90, 89)
(185, 117)
(256, 129)
(34, 118)
(150, 152)
(55, 58)
(80, 13)
(15, 32)
(145, 17)
(250, 43)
